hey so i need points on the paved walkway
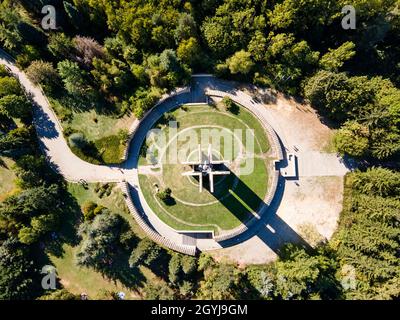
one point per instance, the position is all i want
(265, 238)
(50, 134)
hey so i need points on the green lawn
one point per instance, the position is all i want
(190, 115)
(97, 126)
(115, 202)
(84, 280)
(102, 128)
(235, 196)
(81, 279)
(230, 211)
(7, 178)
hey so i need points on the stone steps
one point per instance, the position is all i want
(154, 235)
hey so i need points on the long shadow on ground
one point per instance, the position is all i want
(270, 228)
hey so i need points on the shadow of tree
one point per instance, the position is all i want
(160, 265)
(120, 270)
(234, 109)
(83, 103)
(45, 127)
(3, 164)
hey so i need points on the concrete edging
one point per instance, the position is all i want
(136, 123)
(151, 233)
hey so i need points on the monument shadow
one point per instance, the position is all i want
(270, 228)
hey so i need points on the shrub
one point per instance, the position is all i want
(88, 209)
(110, 148)
(74, 79)
(88, 49)
(15, 106)
(101, 193)
(99, 209)
(189, 264)
(128, 239)
(352, 139)
(108, 192)
(97, 187)
(230, 106)
(60, 45)
(100, 245)
(123, 136)
(29, 54)
(240, 62)
(165, 196)
(68, 131)
(61, 294)
(77, 140)
(105, 189)
(3, 71)
(146, 252)
(43, 73)
(9, 85)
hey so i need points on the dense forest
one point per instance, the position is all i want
(124, 54)
(121, 56)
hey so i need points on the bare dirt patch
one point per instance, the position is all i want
(312, 201)
(301, 124)
(297, 122)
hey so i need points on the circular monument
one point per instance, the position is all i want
(206, 168)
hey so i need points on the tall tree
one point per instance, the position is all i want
(16, 269)
(335, 58)
(73, 77)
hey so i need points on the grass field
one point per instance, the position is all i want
(81, 279)
(7, 177)
(96, 126)
(101, 127)
(193, 115)
(236, 196)
(233, 208)
(115, 202)
(84, 280)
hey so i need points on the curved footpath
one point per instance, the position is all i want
(50, 134)
(74, 169)
(58, 153)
